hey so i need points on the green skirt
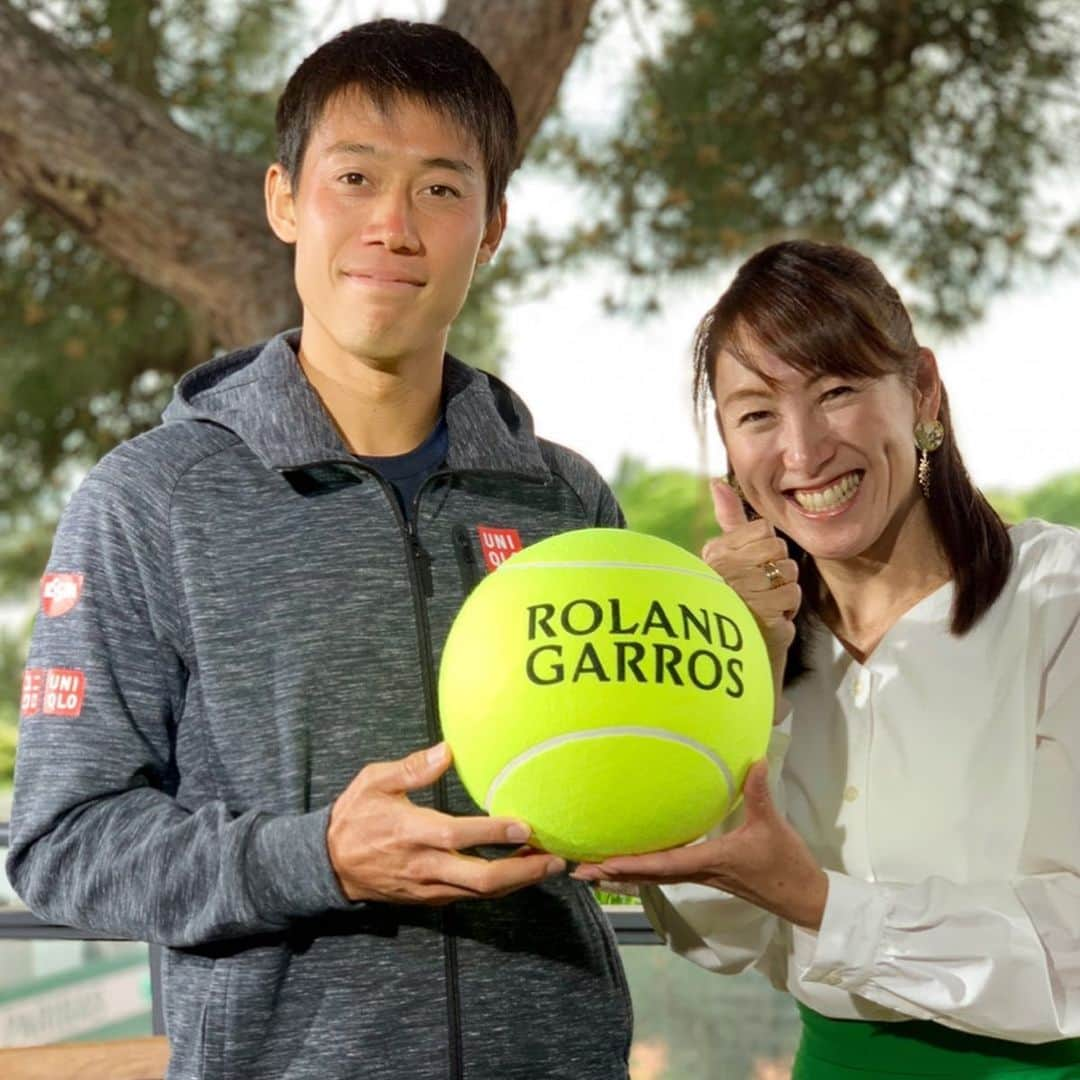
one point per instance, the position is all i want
(916, 1049)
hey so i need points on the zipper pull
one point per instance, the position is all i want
(471, 574)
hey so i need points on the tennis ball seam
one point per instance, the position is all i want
(603, 733)
(511, 564)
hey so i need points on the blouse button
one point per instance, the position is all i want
(860, 689)
(851, 793)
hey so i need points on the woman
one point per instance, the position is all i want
(916, 854)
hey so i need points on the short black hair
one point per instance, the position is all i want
(389, 60)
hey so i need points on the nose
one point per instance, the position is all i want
(392, 223)
(808, 443)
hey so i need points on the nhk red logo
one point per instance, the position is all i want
(60, 593)
(497, 545)
(52, 692)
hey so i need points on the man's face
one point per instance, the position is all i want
(389, 221)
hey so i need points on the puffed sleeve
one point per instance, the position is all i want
(994, 958)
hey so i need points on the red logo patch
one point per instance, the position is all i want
(60, 593)
(33, 683)
(497, 545)
(64, 692)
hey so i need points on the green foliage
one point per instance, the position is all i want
(476, 336)
(1058, 500)
(671, 503)
(12, 652)
(923, 131)
(88, 353)
(9, 730)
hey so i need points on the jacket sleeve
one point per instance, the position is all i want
(994, 958)
(101, 838)
(718, 931)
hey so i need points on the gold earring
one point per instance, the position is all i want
(929, 435)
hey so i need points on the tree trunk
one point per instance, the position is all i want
(530, 43)
(180, 215)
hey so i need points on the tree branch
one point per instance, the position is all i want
(174, 212)
(180, 215)
(530, 43)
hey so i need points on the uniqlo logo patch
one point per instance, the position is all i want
(497, 545)
(64, 692)
(60, 593)
(33, 687)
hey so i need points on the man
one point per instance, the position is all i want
(230, 741)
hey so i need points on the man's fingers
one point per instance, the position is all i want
(494, 877)
(451, 833)
(419, 770)
(728, 507)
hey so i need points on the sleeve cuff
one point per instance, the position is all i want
(289, 866)
(843, 952)
(782, 721)
(654, 905)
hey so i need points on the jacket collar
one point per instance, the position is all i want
(261, 394)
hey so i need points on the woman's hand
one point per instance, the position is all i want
(764, 861)
(754, 561)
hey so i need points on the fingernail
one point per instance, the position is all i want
(518, 833)
(586, 873)
(437, 754)
(556, 866)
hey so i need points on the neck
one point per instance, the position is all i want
(867, 594)
(380, 407)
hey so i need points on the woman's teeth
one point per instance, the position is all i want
(832, 496)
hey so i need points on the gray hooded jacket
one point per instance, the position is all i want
(237, 618)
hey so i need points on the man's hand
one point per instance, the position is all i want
(384, 847)
(764, 861)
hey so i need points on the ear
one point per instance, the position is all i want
(493, 234)
(280, 204)
(927, 386)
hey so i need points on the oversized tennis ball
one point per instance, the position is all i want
(608, 688)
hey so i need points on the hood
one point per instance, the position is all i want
(261, 395)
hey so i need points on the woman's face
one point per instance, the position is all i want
(828, 460)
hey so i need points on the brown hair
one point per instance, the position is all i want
(826, 309)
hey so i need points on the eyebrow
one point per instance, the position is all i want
(768, 391)
(741, 395)
(366, 150)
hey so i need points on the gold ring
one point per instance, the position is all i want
(773, 573)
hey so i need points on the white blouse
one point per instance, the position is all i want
(938, 784)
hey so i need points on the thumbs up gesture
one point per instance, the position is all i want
(754, 561)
